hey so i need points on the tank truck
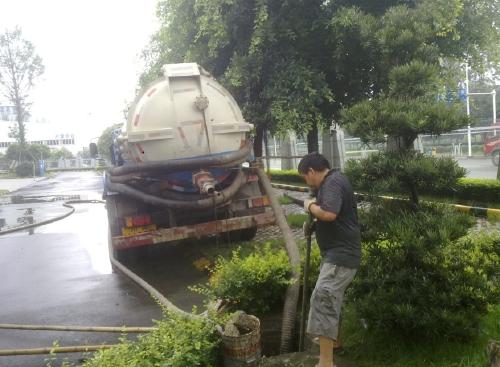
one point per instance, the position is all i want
(182, 166)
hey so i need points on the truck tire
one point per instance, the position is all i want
(495, 157)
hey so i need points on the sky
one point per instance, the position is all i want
(91, 53)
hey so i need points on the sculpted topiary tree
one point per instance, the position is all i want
(411, 281)
(409, 107)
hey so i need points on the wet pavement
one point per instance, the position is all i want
(12, 184)
(478, 167)
(60, 273)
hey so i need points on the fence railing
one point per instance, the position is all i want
(75, 163)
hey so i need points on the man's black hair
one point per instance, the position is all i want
(314, 160)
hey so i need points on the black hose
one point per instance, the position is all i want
(128, 177)
(52, 220)
(220, 198)
(185, 164)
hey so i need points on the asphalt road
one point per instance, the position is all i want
(61, 275)
(478, 167)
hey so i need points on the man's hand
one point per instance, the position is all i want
(308, 203)
(309, 226)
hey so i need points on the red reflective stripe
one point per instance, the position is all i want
(136, 121)
(151, 92)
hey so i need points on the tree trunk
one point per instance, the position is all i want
(312, 139)
(257, 144)
(413, 195)
(266, 147)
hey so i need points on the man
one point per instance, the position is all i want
(339, 240)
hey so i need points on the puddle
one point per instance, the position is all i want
(15, 215)
(23, 199)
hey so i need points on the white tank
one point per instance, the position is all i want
(182, 115)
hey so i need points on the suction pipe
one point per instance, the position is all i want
(292, 293)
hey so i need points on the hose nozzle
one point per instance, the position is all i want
(205, 182)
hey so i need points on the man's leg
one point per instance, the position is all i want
(326, 352)
(326, 303)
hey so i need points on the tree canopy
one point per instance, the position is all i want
(106, 140)
(294, 65)
(28, 152)
(417, 47)
(263, 51)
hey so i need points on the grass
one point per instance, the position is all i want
(296, 220)
(385, 351)
(284, 200)
(3, 192)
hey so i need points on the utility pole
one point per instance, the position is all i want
(494, 95)
(469, 140)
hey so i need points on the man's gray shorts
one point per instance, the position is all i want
(326, 300)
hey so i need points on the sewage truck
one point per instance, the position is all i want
(183, 166)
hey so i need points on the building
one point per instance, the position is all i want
(46, 133)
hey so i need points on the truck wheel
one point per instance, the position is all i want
(495, 157)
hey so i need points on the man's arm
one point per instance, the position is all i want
(321, 214)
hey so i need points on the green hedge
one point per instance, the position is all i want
(476, 189)
(484, 190)
(287, 176)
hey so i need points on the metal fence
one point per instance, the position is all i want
(286, 153)
(75, 163)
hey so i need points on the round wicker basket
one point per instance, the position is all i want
(243, 350)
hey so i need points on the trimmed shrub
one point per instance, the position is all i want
(477, 257)
(421, 275)
(389, 172)
(255, 283)
(394, 219)
(24, 169)
(178, 342)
